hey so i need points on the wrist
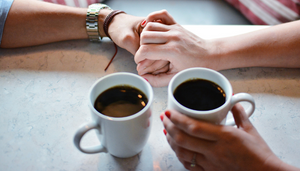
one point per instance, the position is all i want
(109, 19)
(101, 18)
(216, 54)
(225, 53)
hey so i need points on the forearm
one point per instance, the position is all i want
(277, 46)
(42, 22)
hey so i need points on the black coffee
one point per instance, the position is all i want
(120, 101)
(200, 94)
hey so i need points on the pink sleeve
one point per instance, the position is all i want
(268, 12)
(74, 3)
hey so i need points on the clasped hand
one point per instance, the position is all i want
(167, 48)
(161, 47)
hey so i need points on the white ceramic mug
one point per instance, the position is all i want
(120, 136)
(217, 115)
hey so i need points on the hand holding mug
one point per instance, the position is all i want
(204, 146)
(199, 100)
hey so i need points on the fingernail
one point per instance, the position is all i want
(165, 132)
(143, 23)
(146, 79)
(161, 117)
(168, 114)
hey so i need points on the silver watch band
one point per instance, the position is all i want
(92, 27)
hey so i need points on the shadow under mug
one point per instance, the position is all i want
(120, 136)
(217, 115)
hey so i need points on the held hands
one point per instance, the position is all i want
(216, 147)
(160, 46)
(167, 48)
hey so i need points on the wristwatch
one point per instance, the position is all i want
(92, 27)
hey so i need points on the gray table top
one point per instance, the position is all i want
(43, 97)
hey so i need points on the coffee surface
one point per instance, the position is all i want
(120, 101)
(200, 94)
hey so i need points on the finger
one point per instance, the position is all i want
(184, 140)
(144, 26)
(139, 27)
(240, 117)
(188, 166)
(153, 37)
(162, 16)
(185, 155)
(159, 80)
(153, 52)
(151, 66)
(194, 127)
(142, 66)
(155, 26)
(164, 69)
(155, 33)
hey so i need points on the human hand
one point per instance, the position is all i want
(155, 66)
(171, 43)
(125, 31)
(219, 147)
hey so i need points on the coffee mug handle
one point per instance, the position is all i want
(239, 98)
(80, 133)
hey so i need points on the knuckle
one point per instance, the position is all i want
(176, 36)
(193, 128)
(179, 139)
(150, 26)
(164, 11)
(144, 35)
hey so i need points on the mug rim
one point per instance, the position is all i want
(203, 112)
(150, 98)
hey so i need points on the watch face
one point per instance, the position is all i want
(97, 7)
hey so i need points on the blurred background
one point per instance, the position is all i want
(185, 12)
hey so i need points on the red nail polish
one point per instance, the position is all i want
(165, 132)
(161, 117)
(146, 79)
(168, 114)
(143, 23)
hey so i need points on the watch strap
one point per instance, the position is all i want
(92, 27)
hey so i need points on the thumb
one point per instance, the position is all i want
(240, 117)
(161, 16)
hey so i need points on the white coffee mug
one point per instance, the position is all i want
(217, 115)
(120, 136)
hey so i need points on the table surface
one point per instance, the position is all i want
(43, 97)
